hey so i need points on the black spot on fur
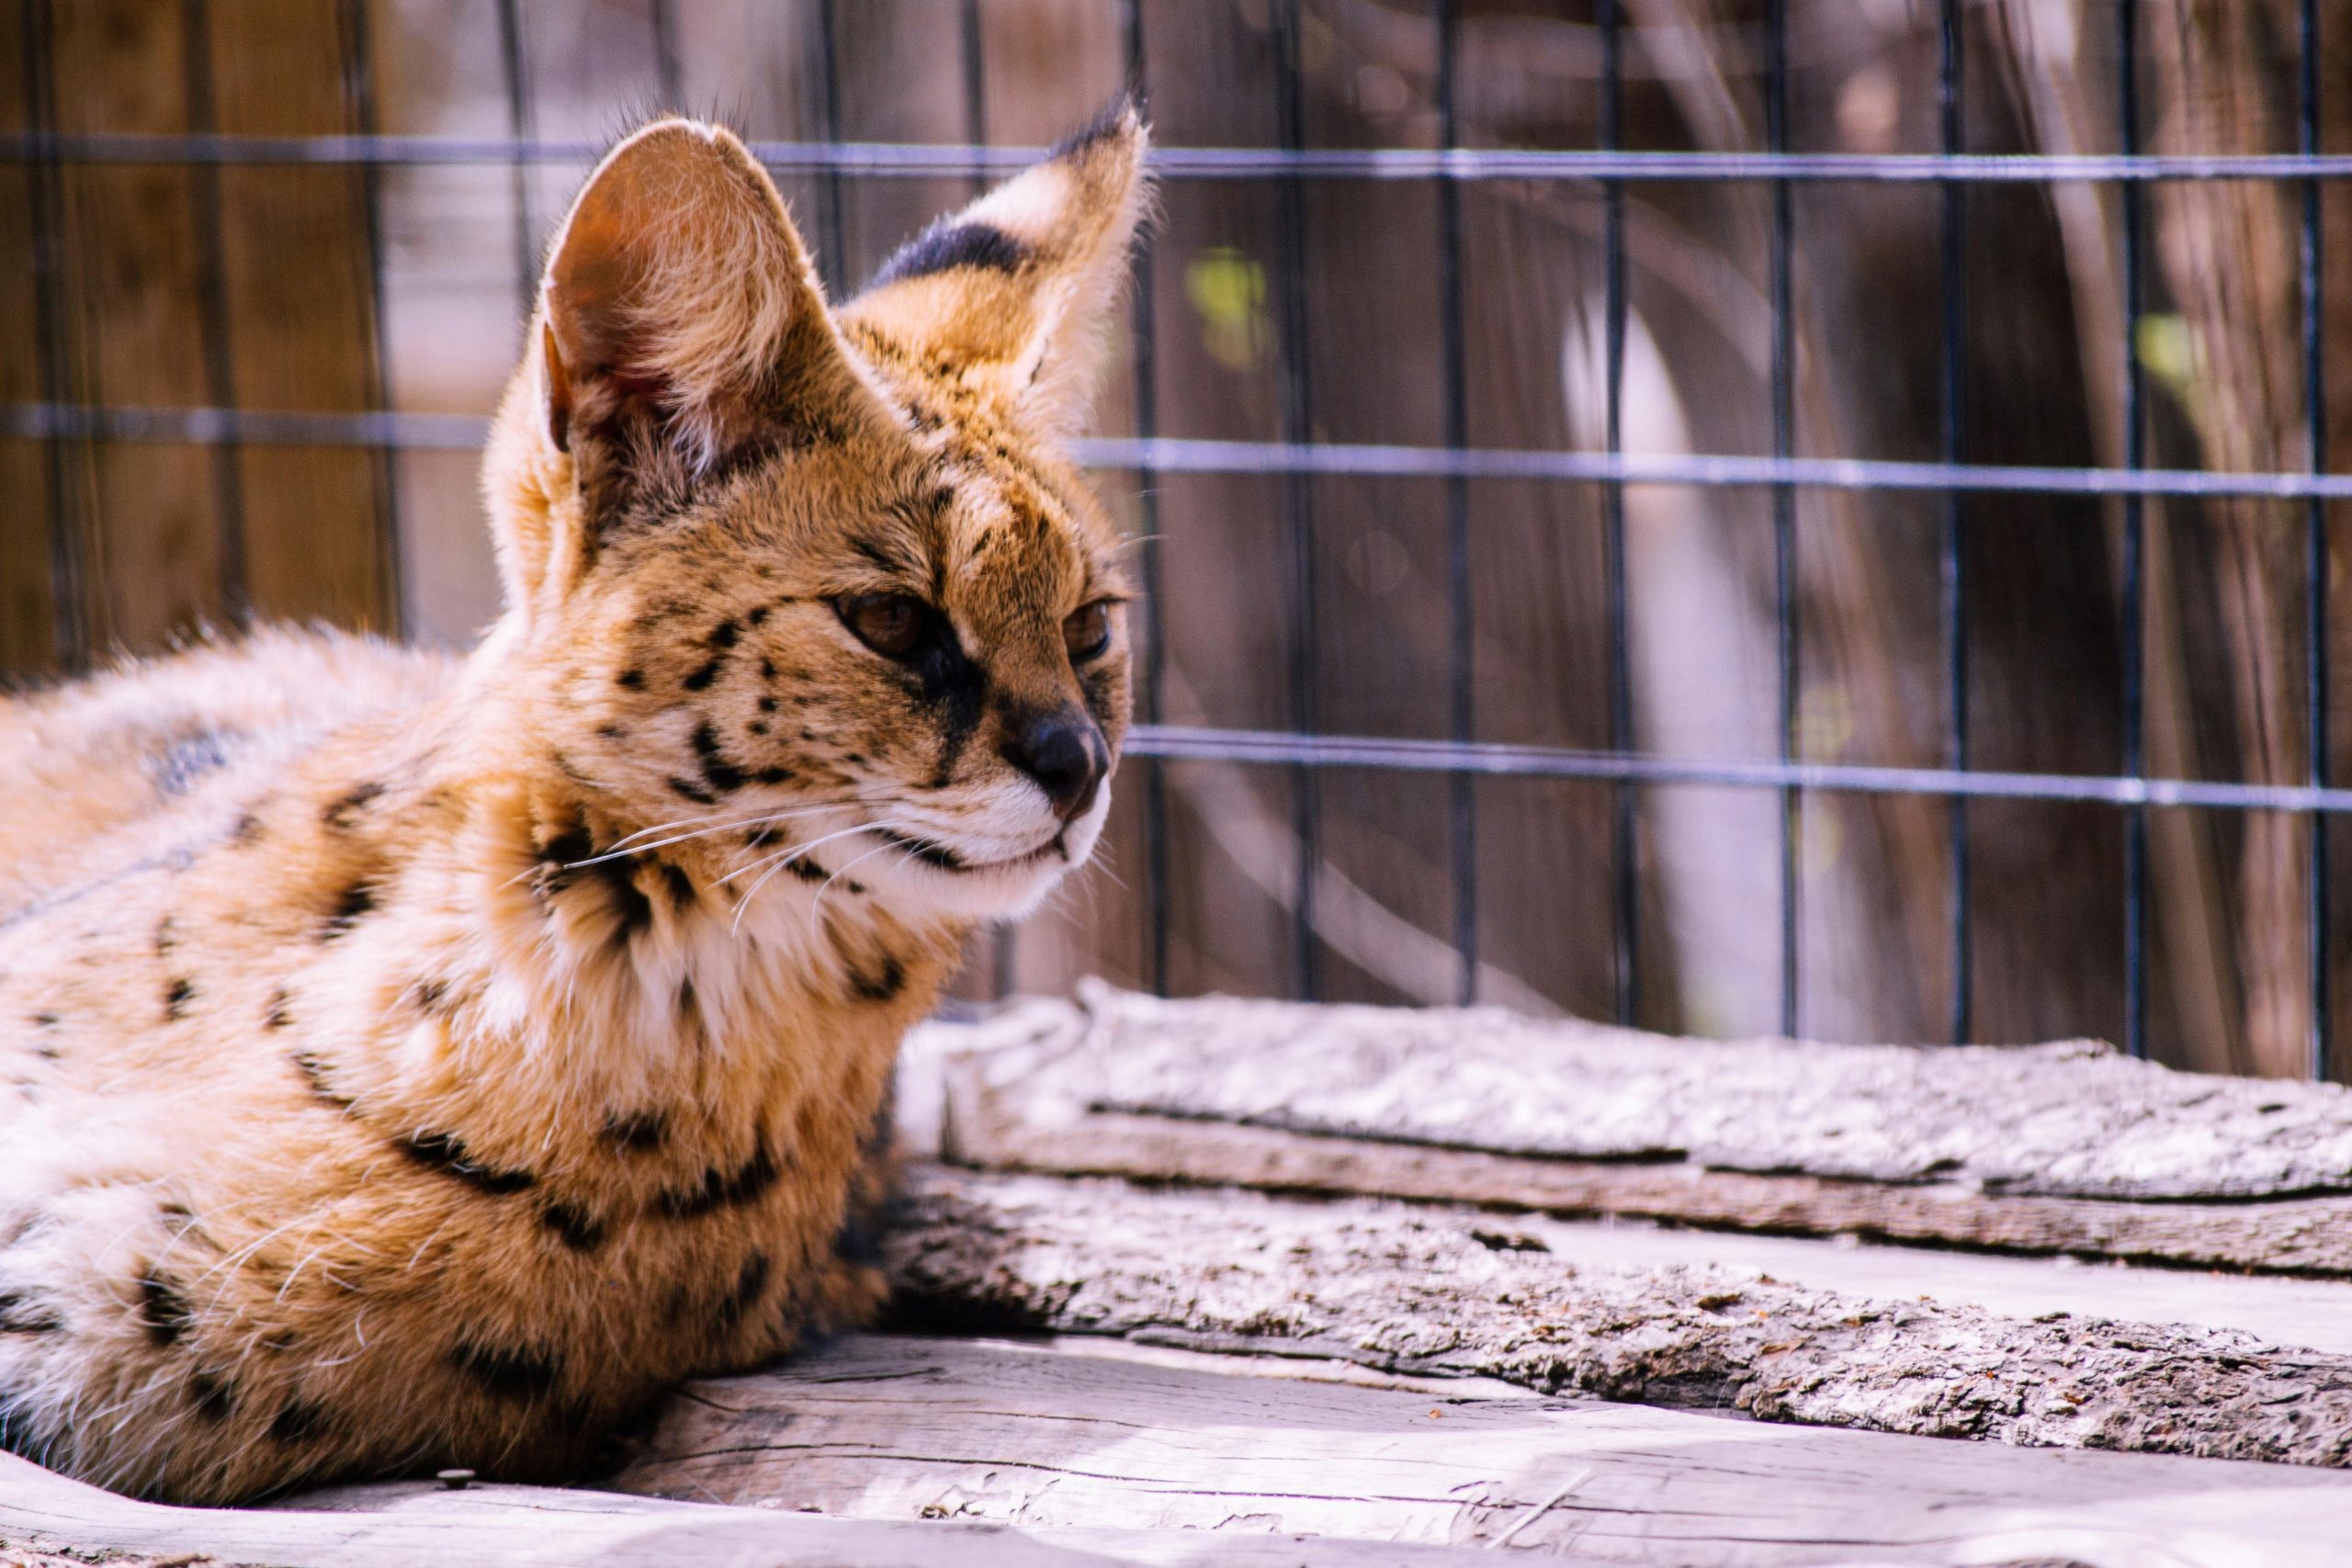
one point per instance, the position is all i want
(44, 1021)
(443, 1152)
(559, 856)
(631, 909)
(767, 705)
(759, 727)
(703, 676)
(508, 1372)
(759, 616)
(215, 1398)
(721, 774)
(245, 829)
(177, 995)
(20, 1313)
(879, 983)
(581, 1231)
(355, 903)
(165, 940)
(345, 811)
(946, 246)
(314, 1078)
(874, 553)
(163, 1311)
(693, 792)
(430, 996)
(751, 1283)
(767, 669)
(724, 634)
(805, 869)
(298, 1422)
(725, 1190)
(275, 1015)
(763, 836)
(632, 678)
(681, 887)
(637, 1130)
(611, 731)
(772, 776)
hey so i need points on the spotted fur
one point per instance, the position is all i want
(411, 1062)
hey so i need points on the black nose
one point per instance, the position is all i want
(1063, 751)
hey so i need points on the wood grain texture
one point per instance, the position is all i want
(887, 1427)
(405, 1524)
(154, 551)
(1453, 1292)
(2065, 1148)
(298, 286)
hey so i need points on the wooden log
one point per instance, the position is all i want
(401, 1525)
(884, 1426)
(2067, 1148)
(1448, 1292)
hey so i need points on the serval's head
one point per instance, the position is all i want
(823, 572)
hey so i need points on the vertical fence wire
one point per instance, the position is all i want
(516, 79)
(1950, 85)
(68, 548)
(1624, 864)
(2135, 819)
(1298, 506)
(974, 57)
(359, 95)
(1004, 955)
(1147, 394)
(213, 315)
(2315, 552)
(1460, 788)
(831, 227)
(1784, 520)
(669, 78)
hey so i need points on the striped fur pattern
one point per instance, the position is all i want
(410, 1061)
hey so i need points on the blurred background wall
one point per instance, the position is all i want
(1315, 310)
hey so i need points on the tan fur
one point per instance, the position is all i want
(408, 1062)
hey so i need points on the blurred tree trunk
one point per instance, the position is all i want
(2230, 252)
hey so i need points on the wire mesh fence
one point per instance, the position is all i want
(1633, 899)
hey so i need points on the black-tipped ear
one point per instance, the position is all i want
(679, 319)
(1014, 289)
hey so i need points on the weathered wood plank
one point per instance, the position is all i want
(894, 1427)
(401, 1525)
(1446, 1292)
(2073, 1119)
(2066, 1148)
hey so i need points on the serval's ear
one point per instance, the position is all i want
(1012, 292)
(679, 327)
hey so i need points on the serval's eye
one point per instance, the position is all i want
(889, 623)
(1086, 632)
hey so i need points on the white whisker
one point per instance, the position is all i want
(617, 853)
(790, 852)
(816, 905)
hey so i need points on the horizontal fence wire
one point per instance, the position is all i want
(1273, 748)
(451, 432)
(933, 160)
